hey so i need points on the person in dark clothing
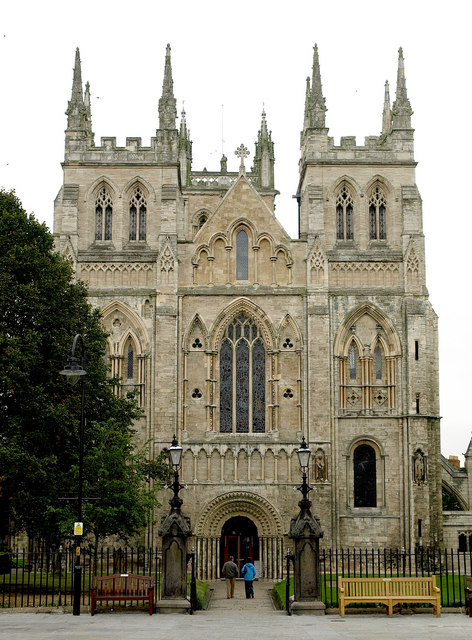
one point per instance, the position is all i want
(229, 572)
(249, 573)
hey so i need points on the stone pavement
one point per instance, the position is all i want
(237, 619)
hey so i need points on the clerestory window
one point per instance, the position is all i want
(344, 215)
(103, 215)
(242, 377)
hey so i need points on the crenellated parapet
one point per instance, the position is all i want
(376, 150)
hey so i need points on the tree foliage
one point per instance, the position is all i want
(41, 309)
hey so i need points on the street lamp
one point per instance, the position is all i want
(175, 530)
(304, 453)
(75, 370)
(175, 455)
(305, 530)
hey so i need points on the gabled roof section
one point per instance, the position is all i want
(242, 205)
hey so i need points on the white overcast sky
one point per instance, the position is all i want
(244, 55)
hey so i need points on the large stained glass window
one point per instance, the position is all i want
(242, 378)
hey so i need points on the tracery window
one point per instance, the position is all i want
(242, 256)
(344, 215)
(242, 377)
(103, 215)
(137, 215)
(377, 215)
(365, 476)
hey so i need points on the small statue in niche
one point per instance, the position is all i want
(419, 467)
(320, 466)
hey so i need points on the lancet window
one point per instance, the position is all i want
(344, 215)
(377, 215)
(137, 215)
(242, 377)
(103, 215)
(365, 476)
(242, 256)
(130, 362)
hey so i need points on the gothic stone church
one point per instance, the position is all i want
(241, 340)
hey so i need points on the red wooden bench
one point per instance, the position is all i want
(122, 586)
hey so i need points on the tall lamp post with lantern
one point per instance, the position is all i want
(75, 371)
(306, 531)
(175, 530)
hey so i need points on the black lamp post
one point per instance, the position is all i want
(175, 455)
(175, 530)
(304, 453)
(305, 529)
(74, 370)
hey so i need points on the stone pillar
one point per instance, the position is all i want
(306, 531)
(175, 530)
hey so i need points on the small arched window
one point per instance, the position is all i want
(365, 476)
(242, 256)
(377, 215)
(137, 216)
(130, 362)
(103, 215)
(378, 363)
(352, 363)
(344, 215)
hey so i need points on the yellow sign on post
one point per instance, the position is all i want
(78, 528)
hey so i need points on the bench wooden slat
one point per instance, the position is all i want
(389, 591)
(122, 587)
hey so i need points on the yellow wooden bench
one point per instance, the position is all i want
(389, 591)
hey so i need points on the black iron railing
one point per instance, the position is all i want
(44, 577)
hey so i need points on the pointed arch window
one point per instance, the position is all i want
(130, 362)
(378, 363)
(344, 215)
(242, 256)
(377, 215)
(137, 215)
(103, 215)
(352, 363)
(242, 378)
(365, 476)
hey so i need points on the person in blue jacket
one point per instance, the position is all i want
(249, 573)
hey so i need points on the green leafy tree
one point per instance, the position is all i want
(41, 309)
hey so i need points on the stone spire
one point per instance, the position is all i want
(79, 117)
(264, 156)
(167, 102)
(315, 107)
(76, 111)
(387, 112)
(401, 110)
(185, 150)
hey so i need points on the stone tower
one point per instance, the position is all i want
(242, 340)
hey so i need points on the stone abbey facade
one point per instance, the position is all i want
(241, 339)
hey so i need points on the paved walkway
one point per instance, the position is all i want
(236, 619)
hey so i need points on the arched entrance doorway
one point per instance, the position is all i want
(239, 539)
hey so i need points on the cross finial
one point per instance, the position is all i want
(242, 152)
